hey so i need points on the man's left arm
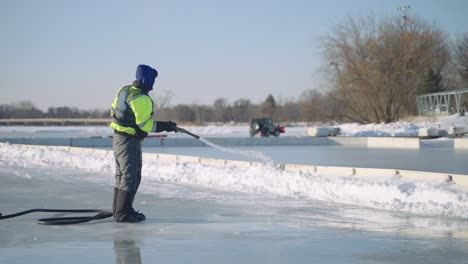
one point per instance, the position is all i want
(143, 109)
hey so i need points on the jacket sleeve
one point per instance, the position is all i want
(142, 107)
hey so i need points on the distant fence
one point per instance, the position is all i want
(55, 121)
(447, 102)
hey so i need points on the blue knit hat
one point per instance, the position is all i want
(146, 76)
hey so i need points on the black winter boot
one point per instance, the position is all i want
(123, 208)
(141, 217)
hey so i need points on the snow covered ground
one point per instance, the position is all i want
(205, 214)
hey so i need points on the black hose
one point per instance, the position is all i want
(179, 129)
(102, 214)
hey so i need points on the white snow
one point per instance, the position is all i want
(391, 193)
(402, 128)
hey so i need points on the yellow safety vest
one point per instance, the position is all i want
(132, 112)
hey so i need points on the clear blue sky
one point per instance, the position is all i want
(78, 53)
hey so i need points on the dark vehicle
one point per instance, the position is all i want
(265, 127)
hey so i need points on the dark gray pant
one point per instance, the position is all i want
(128, 162)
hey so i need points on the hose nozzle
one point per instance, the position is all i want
(179, 129)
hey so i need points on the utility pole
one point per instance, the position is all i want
(404, 10)
(404, 21)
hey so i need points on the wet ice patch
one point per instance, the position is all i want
(22, 174)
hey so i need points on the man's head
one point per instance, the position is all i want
(146, 75)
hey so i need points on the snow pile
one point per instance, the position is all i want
(402, 128)
(398, 129)
(392, 193)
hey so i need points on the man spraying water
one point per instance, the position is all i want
(132, 120)
(132, 113)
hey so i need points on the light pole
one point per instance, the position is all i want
(404, 20)
(337, 65)
(404, 10)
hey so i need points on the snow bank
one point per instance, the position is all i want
(349, 129)
(402, 128)
(398, 129)
(391, 193)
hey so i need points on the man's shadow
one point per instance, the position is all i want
(127, 251)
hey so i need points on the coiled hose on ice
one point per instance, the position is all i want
(102, 214)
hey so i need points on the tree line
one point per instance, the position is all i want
(375, 69)
(27, 109)
(310, 108)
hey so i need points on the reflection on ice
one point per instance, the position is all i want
(127, 252)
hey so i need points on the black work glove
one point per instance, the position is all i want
(166, 126)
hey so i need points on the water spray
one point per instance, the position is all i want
(250, 154)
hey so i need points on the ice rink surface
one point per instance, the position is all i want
(188, 224)
(204, 215)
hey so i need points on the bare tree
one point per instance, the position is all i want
(461, 59)
(25, 109)
(221, 111)
(6, 111)
(184, 113)
(288, 111)
(243, 110)
(378, 68)
(311, 106)
(202, 113)
(268, 107)
(163, 99)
